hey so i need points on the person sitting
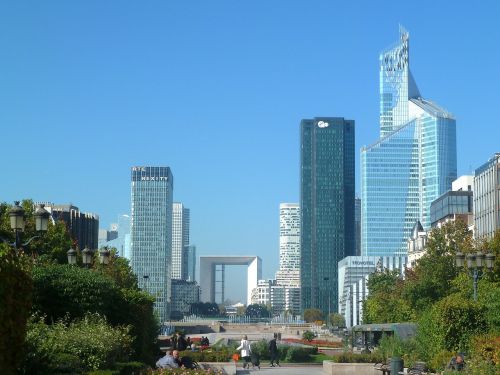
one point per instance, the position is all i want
(167, 361)
(456, 363)
(177, 359)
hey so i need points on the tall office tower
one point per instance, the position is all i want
(357, 225)
(326, 207)
(289, 272)
(412, 163)
(191, 263)
(151, 233)
(487, 198)
(180, 240)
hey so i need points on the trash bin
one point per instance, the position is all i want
(396, 365)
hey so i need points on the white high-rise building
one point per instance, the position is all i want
(289, 272)
(180, 240)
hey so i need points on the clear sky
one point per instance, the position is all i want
(216, 90)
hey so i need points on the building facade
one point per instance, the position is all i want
(412, 163)
(487, 198)
(357, 224)
(151, 233)
(289, 271)
(82, 226)
(180, 240)
(184, 294)
(326, 207)
(191, 263)
(354, 272)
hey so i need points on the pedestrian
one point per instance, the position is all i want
(246, 351)
(174, 341)
(457, 362)
(273, 350)
(181, 343)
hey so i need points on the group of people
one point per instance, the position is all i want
(179, 342)
(251, 358)
(204, 341)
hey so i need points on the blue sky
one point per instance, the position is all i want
(216, 91)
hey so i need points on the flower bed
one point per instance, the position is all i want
(322, 343)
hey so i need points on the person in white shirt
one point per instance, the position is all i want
(246, 351)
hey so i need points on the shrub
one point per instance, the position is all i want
(15, 305)
(86, 344)
(348, 357)
(308, 335)
(300, 354)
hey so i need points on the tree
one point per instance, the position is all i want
(257, 311)
(336, 320)
(313, 315)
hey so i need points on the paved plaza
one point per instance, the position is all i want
(285, 369)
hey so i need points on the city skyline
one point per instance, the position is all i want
(216, 91)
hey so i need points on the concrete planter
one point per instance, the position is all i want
(333, 368)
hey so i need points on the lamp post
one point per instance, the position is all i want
(476, 262)
(104, 255)
(87, 256)
(18, 223)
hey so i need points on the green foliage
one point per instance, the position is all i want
(308, 335)
(15, 305)
(391, 346)
(385, 303)
(349, 357)
(449, 325)
(82, 345)
(61, 290)
(207, 309)
(137, 311)
(337, 320)
(313, 315)
(300, 354)
(118, 269)
(257, 311)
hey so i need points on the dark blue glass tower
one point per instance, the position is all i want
(327, 207)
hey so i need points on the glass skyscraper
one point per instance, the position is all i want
(412, 163)
(326, 207)
(151, 233)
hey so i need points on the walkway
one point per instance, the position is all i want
(285, 369)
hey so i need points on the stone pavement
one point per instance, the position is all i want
(285, 369)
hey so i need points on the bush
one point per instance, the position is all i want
(15, 305)
(87, 344)
(64, 291)
(300, 354)
(348, 357)
(308, 335)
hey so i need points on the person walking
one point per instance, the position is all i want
(246, 351)
(273, 350)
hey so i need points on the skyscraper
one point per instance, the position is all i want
(151, 233)
(180, 241)
(326, 207)
(412, 163)
(289, 272)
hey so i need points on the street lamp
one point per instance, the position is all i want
(87, 255)
(71, 256)
(476, 262)
(104, 255)
(18, 223)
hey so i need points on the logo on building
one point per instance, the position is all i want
(323, 124)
